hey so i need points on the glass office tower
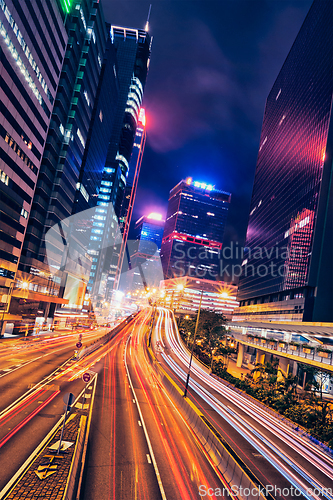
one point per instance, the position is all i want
(32, 48)
(129, 196)
(142, 264)
(59, 175)
(287, 267)
(194, 229)
(132, 48)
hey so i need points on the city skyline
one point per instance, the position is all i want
(225, 57)
(174, 360)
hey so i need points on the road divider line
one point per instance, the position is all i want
(158, 476)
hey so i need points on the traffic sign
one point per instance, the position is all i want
(68, 399)
(79, 345)
(80, 336)
(86, 377)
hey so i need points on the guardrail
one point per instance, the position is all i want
(307, 353)
(74, 481)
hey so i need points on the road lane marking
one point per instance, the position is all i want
(139, 423)
(158, 476)
(148, 458)
(29, 460)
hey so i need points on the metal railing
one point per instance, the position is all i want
(307, 353)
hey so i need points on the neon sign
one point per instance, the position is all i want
(202, 185)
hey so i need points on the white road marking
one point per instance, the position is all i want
(158, 476)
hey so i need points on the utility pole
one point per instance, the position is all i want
(195, 334)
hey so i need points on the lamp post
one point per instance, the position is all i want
(195, 334)
(180, 289)
(7, 304)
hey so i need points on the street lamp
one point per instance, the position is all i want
(195, 334)
(10, 291)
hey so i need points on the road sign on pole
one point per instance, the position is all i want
(86, 377)
(79, 345)
(68, 400)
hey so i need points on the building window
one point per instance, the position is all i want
(27, 53)
(15, 147)
(4, 177)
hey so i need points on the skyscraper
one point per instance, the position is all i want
(58, 179)
(32, 48)
(130, 193)
(142, 263)
(132, 55)
(287, 267)
(194, 229)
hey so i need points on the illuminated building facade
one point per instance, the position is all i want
(32, 49)
(132, 48)
(129, 195)
(183, 295)
(287, 267)
(194, 229)
(145, 252)
(61, 163)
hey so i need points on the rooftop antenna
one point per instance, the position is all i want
(147, 23)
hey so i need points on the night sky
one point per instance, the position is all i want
(213, 64)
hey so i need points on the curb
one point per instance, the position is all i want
(58, 475)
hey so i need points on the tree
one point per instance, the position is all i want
(267, 371)
(316, 379)
(211, 327)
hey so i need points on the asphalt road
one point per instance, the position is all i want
(140, 447)
(39, 373)
(277, 454)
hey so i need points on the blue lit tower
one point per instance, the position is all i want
(143, 254)
(129, 195)
(291, 214)
(132, 48)
(194, 229)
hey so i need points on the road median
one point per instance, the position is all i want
(51, 475)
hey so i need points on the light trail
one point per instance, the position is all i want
(165, 428)
(314, 455)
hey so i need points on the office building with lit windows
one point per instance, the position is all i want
(287, 266)
(32, 48)
(132, 48)
(194, 229)
(58, 180)
(127, 205)
(144, 253)
(183, 295)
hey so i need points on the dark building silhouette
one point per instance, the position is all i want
(194, 229)
(287, 267)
